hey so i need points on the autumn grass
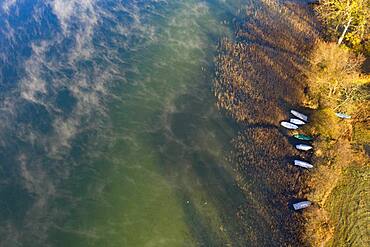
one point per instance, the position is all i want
(342, 165)
(349, 208)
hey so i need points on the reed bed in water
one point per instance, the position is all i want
(269, 184)
(259, 76)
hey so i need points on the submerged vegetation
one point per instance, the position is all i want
(276, 61)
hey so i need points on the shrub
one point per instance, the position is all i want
(334, 77)
(324, 123)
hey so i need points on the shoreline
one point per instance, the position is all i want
(260, 77)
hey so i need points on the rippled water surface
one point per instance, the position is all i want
(109, 135)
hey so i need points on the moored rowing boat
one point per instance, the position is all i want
(342, 115)
(297, 121)
(301, 205)
(303, 147)
(303, 164)
(299, 115)
(303, 137)
(289, 125)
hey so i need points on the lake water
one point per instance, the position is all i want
(109, 134)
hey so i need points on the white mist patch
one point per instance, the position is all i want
(84, 69)
(65, 10)
(7, 4)
(10, 34)
(35, 88)
(35, 179)
(65, 131)
(38, 183)
(32, 84)
(184, 34)
(84, 14)
(137, 33)
(43, 79)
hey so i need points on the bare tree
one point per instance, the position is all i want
(335, 77)
(346, 19)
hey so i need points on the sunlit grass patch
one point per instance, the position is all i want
(361, 133)
(349, 208)
(324, 123)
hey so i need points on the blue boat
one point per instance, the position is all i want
(342, 115)
(301, 205)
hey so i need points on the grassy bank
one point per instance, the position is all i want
(338, 184)
(337, 82)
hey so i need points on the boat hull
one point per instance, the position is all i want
(303, 164)
(303, 137)
(299, 115)
(297, 121)
(303, 147)
(342, 115)
(301, 205)
(289, 125)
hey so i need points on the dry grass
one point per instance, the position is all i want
(336, 84)
(349, 207)
(318, 229)
(361, 133)
(329, 168)
(329, 185)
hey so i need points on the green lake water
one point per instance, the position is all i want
(112, 136)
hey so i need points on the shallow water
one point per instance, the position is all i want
(109, 134)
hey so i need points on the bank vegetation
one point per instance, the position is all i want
(338, 81)
(336, 84)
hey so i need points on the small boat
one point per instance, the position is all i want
(297, 121)
(289, 125)
(303, 147)
(342, 115)
(299, 115)
(301, 205)
(303, 137)
(303, 164)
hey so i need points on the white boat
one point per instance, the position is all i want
(342, 115)
(301, 205)
(297, 121)
(289, 125)
(299, 115)
(303, 147)
(302, 164)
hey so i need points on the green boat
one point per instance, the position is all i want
(303, 137)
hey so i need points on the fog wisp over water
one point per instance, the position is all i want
(109, 131)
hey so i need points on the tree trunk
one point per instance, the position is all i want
(344, 31)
